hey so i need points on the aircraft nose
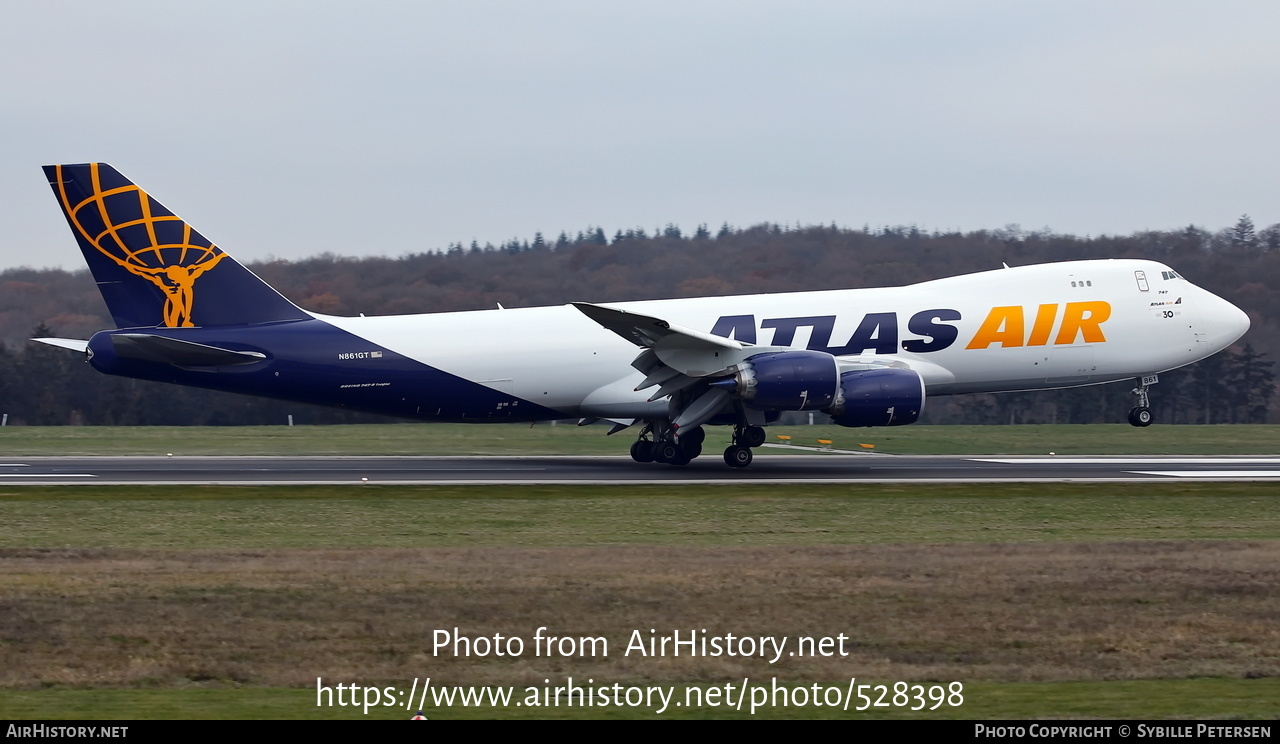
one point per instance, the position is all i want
(1222, 323)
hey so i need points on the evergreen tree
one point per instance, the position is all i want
(1243, 234)
(49, 395)
(1271, 238)
(1209, 391)
(1252, 383)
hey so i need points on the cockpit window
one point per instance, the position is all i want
(1170, 275)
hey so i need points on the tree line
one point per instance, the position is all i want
(44, 385)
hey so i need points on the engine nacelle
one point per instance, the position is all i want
(788, 381)
(879, 397)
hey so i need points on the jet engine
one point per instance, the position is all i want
(786, 381)
(879, 397)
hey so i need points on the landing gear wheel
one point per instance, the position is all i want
(642, 451)
(1140, 416)
(738, 456)
(753, 436)
(668, 452)
(692, 437)
(690, 450)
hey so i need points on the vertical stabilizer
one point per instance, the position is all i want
(152, 268)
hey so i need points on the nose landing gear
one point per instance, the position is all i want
(1140, 415)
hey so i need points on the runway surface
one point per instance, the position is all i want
(710, 469)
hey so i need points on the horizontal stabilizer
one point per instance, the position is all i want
(147, 347)
(74, 344)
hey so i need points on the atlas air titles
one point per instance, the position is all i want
(932, 330)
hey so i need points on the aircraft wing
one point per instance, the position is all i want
(931, 373)
(674, 357)
(644, 330)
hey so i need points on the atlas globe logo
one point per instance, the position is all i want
(136, 232)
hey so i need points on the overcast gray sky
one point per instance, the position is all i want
(289, 129)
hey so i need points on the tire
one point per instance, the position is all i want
(754, 436)
(668, 452)
(642, 451)
(690, 449)
(738, 456)
(692, 437)
(1140, 416)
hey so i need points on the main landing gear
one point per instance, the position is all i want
(658, 443)
(745, 438)
(1140, 415)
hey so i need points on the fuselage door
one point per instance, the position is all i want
(1072, 363)
(1141, 277)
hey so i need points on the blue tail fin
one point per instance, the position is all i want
(154, 270)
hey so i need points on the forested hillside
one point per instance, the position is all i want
(40, 385)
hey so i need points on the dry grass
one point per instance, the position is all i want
(282, 617)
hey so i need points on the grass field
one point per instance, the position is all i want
(567, 439)
(355, 517)
(1044, 600)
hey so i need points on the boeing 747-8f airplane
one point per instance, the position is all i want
(188, 313)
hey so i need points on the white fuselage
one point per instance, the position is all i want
(1034, 327)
